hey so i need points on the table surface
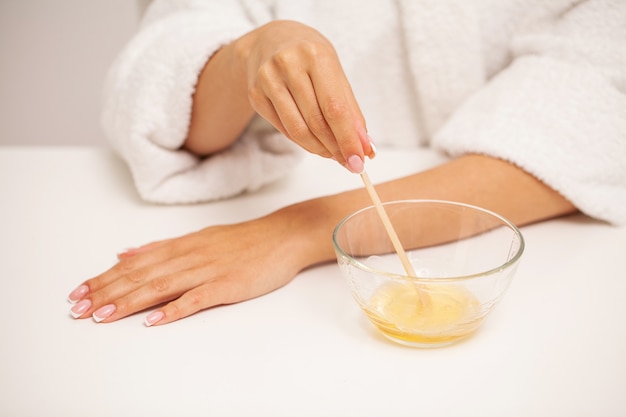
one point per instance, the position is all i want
(555, 346)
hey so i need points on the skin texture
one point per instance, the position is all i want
(290, 75)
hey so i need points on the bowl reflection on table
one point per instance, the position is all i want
(464, 258)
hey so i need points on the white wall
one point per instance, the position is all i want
(53, 58)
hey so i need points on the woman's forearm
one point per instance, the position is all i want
(221, 110)
(474, 179)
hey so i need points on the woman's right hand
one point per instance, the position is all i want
(296, 82)
(214, 266)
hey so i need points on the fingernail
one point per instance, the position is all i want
(80, 308)
(103, 312)
(125, 252)
(78, 293)
(355, 164)
(153, 318)
(374, 150)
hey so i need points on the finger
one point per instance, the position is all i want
(108, 294)
(125, 266)
(271, 98)
(154, 292)
(200, 298)
(89, 287)
(142, 257)
(315, 66)
(141, 249)
(307, 119)
(368, 145)
(128, 275)
(191, 302)
(264, 107)
(366, 141)
(303, 94)
(103, 279)
(280, 109)
(340, 111)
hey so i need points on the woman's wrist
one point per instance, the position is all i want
(305, 233)
(309, 225)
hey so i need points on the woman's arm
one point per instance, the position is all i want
(229, 264)
(221, 108)
(474, 179)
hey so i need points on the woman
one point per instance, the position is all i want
(212, 98)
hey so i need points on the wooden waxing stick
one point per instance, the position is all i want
(395, 241)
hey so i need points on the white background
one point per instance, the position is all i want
(54, 55)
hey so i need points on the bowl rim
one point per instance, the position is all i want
(498, 269)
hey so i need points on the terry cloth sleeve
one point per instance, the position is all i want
(558, 110)
(148, 99)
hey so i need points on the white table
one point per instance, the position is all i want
(555, 346)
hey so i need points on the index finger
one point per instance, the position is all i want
(342, 113)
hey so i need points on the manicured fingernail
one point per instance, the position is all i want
(103, 312)
(153, 318)
(125, 252)
(355, 164)
(373, 153)
(80, 308)
(78, 293)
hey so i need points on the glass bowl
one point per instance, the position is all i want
(464, 258)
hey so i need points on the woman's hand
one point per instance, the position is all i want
(296, 82)
(217, 265)
(290, 75)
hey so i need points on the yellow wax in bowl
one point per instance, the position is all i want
(451, 313)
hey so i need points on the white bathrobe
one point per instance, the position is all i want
(541, 84)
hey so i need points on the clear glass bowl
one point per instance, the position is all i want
(464, 258)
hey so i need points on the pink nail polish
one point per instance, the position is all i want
(153, 318)
(80, 308)
(355, 164)
(103, 312)
(373, 146)
(126, 252)
(78, 293)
